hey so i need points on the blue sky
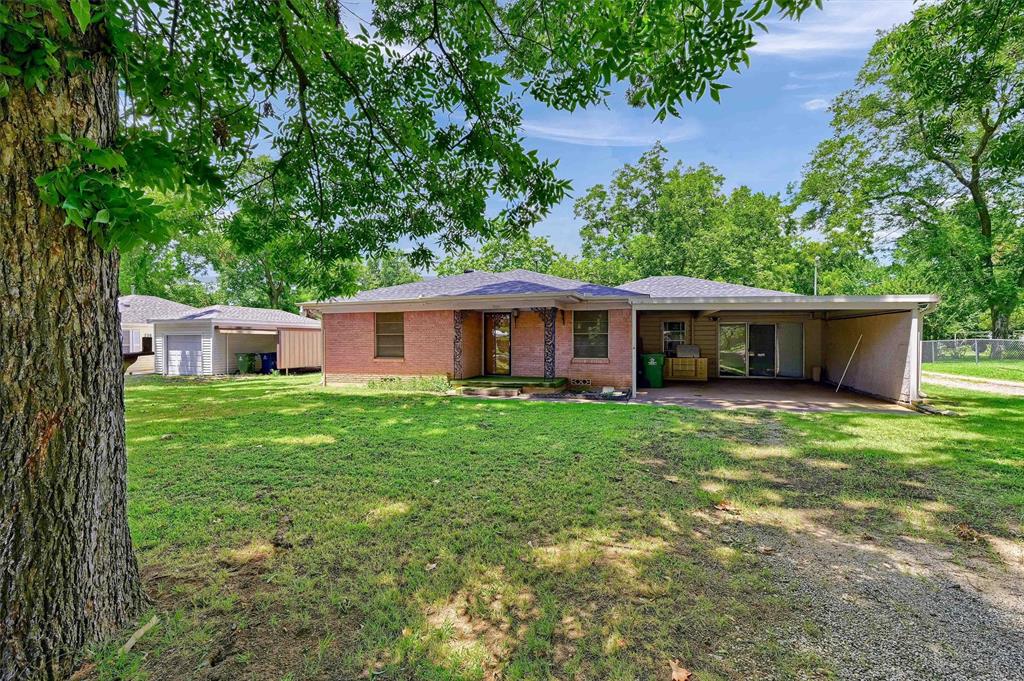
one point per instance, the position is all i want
(762, 132)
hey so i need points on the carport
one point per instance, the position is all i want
(793, 396)
(784, 349)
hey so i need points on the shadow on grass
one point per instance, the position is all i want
(346, 533)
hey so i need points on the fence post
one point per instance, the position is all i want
(977, 357)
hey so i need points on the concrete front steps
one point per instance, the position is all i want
(509, 386)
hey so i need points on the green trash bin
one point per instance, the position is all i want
(654, 369)
(246, 362)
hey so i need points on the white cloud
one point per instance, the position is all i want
(816, 104)
(841, 26)
(796, 86)
(609, 128)
(823, 75)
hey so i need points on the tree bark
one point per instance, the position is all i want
(1000, 323)
(68, 576)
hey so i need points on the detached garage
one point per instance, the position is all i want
(207, 342)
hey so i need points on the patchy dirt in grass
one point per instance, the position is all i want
(480, 625)
(598, 547)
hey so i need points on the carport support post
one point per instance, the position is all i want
(915, 350)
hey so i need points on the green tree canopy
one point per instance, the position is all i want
(655, 219)
(502, 252)
(927, 155)
(402, 124)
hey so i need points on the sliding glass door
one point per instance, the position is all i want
(761, 350)
(732, 350)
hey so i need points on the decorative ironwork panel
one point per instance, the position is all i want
(457, 365)
(548, 314)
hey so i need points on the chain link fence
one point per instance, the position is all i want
(972, 350)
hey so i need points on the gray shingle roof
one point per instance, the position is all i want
(260, 315)
(139, 309)
(689, 287)
(478, 283)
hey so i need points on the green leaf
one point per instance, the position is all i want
(81, 10)
(102, 216)
(105, 158)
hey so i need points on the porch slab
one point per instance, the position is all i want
(510, 382)
(775, 395)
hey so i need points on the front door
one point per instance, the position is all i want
(498, 344)
(761, 349)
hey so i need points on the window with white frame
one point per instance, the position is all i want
(131, 341)
(673, 334)
(590, 334)
(390, 332)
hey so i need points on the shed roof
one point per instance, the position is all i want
(236, 313)
(137, 309)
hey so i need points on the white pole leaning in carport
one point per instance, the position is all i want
(849, 361)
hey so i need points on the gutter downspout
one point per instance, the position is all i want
(632, 336)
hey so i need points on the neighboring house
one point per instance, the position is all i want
(206, 341)
(136, 329)
(522, 323)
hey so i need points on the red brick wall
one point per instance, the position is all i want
(528, 349)
(472, 343)
(429, 338)
(615, 371)
(349, 340)
(528, 344)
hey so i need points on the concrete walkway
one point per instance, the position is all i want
(776, 395)
(987, 385)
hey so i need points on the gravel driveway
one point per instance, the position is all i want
(904, 610)
(984, 385)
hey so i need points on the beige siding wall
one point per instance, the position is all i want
(885, 362)
(299, 349)
(703, 332)
(812, 347)
(705, 336)
(648, 328)
(144, 364)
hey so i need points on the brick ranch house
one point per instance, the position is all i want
(522, 323)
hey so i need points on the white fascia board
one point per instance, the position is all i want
(238, 323)
(786, 303)
(494, 302)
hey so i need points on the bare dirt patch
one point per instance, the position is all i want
(479, 626)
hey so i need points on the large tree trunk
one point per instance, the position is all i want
(68, 575)
(1000, 322)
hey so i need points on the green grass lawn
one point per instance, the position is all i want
(1008, 370)
(287, 531)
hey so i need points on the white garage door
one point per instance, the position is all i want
(184, 355)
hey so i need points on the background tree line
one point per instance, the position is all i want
(919, 189)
